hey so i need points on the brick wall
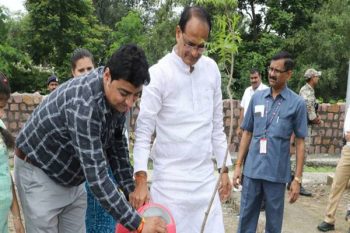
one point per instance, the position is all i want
(19, 109)
(325, 139)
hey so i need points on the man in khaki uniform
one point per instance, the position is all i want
(340, 181)
(308, 93)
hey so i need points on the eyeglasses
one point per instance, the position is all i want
(276, 71)
(191, 46)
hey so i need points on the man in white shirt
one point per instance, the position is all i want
(183, 104)
(340, 181)
(255, 85)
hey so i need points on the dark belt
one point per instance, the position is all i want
(21, 155)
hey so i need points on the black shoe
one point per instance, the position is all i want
(324, 226)
(262, 207)
(303, 192)
(347, 216)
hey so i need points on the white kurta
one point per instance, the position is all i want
(185, 109)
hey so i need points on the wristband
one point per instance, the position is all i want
(140, 228)
(238, 163)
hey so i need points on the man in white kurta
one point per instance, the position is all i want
(183, 104)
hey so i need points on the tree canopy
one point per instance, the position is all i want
(316, 32)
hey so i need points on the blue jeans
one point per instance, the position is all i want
(97, 219)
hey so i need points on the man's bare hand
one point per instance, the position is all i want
(239, 132)
(17, 223)
(154, 225)
(294, 191)
(225, 187)
(236, 180)
(316, 121)
(141, 195)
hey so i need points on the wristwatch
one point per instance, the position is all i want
(298, 179)
(225, 170)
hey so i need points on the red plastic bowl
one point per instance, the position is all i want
(152, 210)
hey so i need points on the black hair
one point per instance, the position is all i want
(5, 92)
(254, 70)
(130, 64)
(194, 11)
(78, 54)
(288, 60)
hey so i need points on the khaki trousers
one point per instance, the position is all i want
(340, 181)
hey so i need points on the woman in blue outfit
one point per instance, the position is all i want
(8, 198)
(97, 219)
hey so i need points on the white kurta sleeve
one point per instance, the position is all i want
(150, 105)
(218, 136)
(245, 98)
(347, 121)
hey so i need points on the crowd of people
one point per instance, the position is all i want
(72, 167)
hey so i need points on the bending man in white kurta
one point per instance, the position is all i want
(183, 104)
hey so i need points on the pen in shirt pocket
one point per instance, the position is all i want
(278, 117)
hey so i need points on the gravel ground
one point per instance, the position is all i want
(301, 217)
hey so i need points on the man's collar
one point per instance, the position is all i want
(283, 93)
(181, 63)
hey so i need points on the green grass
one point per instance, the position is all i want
(319, 169)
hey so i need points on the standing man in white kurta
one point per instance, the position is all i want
(183, 104)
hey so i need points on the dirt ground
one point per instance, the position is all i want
(301, 217)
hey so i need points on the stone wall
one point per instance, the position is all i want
(325, 139)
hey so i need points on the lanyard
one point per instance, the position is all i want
(275, 111)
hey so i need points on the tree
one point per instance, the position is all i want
(57, 28)
(325, 45)
(225, 38)
(3, 26)
(268, 26)
(161, 33)
(14, 61)
(283, 17)
(128, 30)
(109, 12)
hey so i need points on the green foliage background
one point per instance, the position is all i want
(37, 43)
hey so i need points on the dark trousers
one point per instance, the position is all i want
(253, 192)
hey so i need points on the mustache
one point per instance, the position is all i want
(273, 78)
